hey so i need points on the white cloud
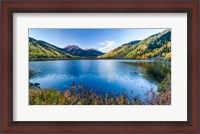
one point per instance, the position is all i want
(107, 46)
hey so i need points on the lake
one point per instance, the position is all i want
(134, 77)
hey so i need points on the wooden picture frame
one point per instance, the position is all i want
(9, 7)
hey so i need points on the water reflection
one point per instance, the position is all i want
(152, 70)
(103, 76)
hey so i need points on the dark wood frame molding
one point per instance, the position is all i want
(9, 7)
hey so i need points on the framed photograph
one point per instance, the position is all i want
(100, 66)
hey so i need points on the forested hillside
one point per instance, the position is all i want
(43, 50)
(155, 46)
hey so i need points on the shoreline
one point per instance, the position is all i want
(156, 60)
(153, 60)
(72, 96)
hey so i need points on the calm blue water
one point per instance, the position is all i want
(105, 76)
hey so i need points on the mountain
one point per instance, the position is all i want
(154, 46)
(131, 43)
(39, 50)
(157, 45)
(42, 50)
(121, 51)
(84, 53)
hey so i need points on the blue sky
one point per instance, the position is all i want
(101, 39)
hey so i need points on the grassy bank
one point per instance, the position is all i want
(75, 96)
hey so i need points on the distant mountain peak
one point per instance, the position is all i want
(91, 49)
(132, 42)
(86, 49)
(135, 41)
(72, 47)
(87, 52)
